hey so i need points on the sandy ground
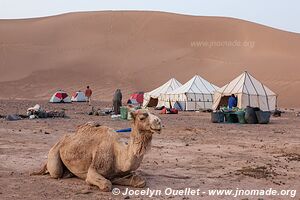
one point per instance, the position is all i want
(190, 152)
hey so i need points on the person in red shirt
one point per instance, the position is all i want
(88, 94)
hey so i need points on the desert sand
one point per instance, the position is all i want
(190, 152)
(120, 49)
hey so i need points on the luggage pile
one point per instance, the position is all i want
(38, 112)
(249, 115)
(169, 111)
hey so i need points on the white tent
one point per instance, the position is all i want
(249, 92)
(153, 98)
(195, 94)
(60, 97)
(79, 97)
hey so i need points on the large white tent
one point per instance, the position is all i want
(153, 98)
(195, 94)
(249, 92)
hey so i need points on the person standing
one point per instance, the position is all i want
(88, 94)
(117, 101)
(232, 102)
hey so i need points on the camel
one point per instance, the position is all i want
(97, 155)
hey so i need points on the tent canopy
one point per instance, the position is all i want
(249, 92)
(60, 97)
(196, 85)
(153, 98)
(79, 97)
(195, 94)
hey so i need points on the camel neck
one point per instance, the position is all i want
(140, 142)
(132, 155)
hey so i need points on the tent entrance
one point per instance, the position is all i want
(153, 102)
(223, 102)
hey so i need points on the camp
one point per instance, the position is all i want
(60, 97)
(79, 96)
(154, 98)
(195, 94)
(249, 92)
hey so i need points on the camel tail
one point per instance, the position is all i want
(43, 171)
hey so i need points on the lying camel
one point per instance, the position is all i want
(97, 155)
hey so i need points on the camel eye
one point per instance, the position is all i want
(143, 116)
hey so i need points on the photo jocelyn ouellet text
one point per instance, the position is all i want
(198, 192)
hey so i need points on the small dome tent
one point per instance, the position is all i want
(79, 96)
(136, 98)
(60, 97)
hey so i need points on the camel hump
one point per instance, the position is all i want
(93, 128)
(92, 124)
(89, 125)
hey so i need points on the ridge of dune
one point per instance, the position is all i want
(135, 50)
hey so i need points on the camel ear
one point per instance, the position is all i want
(143, 116)
(133, 114)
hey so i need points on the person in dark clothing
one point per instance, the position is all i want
(236, 101)
(117, 101)
(232, 101)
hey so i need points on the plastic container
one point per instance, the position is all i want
(217, 117)
(129, 116)
(231, 117)
(263, 117)
(250, 115)
(241, 117)
(124, 112)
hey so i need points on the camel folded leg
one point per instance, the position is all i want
(94, 178)
(54, 164)
(42, 171)
(130, 180)
(67, 173)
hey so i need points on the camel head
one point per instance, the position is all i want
(145, 122)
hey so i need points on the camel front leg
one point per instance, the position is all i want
(94, 178)
(54, 164)
(130, 180)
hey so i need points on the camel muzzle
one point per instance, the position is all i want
(155, 124)
(156, 130)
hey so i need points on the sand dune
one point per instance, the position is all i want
(139, 51)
